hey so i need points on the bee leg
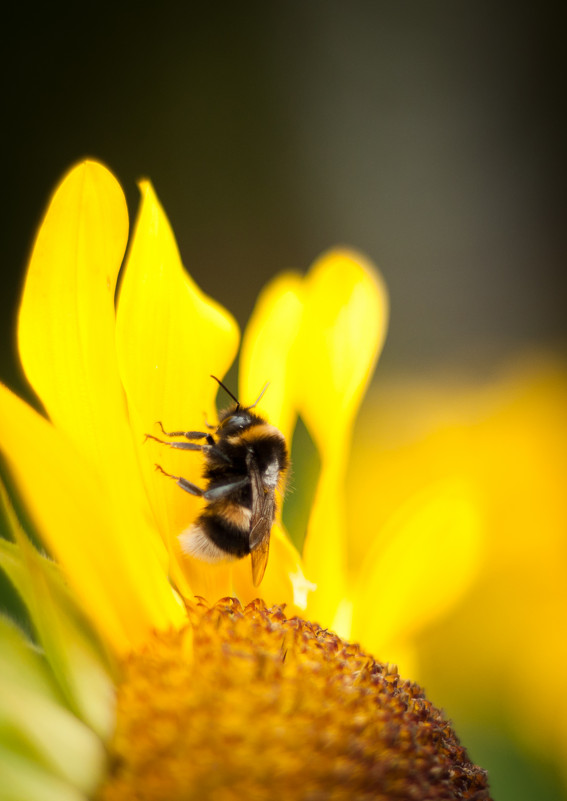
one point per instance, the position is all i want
(192, 489)
(223, 490)
(183, 446)
(207, 424)
(210, 447)
(186, 434)
(214, 451)
(214, 494)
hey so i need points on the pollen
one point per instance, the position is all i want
(261, 706)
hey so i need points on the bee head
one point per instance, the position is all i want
(238, 417)
(235, 420)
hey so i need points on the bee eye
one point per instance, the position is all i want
(234, 423)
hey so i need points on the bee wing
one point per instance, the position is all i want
(263, 509)
(259, 558)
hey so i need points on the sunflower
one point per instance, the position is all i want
(150, 674)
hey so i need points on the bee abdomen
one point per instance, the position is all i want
(219, 535)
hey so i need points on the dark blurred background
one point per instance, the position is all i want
(425, 134)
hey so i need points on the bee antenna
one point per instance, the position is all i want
(228, 392)
(259, 398)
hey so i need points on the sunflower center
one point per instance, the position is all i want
(266, 707)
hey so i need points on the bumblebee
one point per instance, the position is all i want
(245, 460)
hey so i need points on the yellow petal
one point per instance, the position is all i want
(66, 321)
(122, 588)
(170, 338)
(343, 329)
(80, 665)
(324, 552)
(267, 349)
(66, 333)
(283, 582)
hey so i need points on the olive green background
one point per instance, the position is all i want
(426, 134)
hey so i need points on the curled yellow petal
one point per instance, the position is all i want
(170, 337)
(267, 349)
(343, 329)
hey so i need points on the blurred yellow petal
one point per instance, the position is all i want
(71, 749)
(33, 721)
(170, 337)
(42, 747)
(25, 778)
(267, 349)
(421, 564)
(122, 588)
(343, 329)
(19, 662)
(507, 439)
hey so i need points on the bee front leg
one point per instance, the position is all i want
(209, 448)
(186, 434)
(182, 446)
